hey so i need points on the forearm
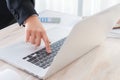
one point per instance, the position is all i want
(21, 9)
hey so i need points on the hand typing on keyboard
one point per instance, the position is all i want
(35, 32)
(41, 58)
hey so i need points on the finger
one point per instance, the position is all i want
(28, 34)
(38, 39)
(33, 37)
(47, 43)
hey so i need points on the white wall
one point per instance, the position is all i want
(108, 3)
(66, 6)
(40, 5)
(91, 7)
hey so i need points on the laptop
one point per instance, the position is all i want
(67, 45)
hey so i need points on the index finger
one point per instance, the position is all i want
(47, 43)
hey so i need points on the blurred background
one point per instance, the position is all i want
(75, 7)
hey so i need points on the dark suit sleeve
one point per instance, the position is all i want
(21, 9)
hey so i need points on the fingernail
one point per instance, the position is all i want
(49, 51)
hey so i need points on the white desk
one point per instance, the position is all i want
(101, 63)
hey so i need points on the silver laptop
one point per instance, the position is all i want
(66, 46)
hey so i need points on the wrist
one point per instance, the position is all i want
(30, 19)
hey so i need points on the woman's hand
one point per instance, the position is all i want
(35, 32)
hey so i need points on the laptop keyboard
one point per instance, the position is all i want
(41, 58)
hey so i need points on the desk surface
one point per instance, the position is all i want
(101, 63)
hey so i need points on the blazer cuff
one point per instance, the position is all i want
(24, 13)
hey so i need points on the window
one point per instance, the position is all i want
(75, 7)
(65, 6)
